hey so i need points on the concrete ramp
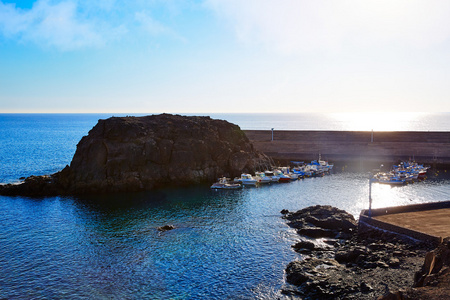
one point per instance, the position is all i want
(428, 222)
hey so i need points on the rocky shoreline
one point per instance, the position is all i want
(341, 260)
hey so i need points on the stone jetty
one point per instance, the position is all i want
(354, 147)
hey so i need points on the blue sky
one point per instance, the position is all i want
(224, 56)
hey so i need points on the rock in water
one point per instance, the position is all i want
(166, 228)
(141, 153)
(322, 221)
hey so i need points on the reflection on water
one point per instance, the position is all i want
(382, 121)
(226, 244)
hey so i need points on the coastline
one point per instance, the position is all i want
(343, 259)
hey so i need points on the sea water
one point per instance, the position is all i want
(225, 245)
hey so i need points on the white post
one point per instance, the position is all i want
(371, 139)
(272, 134)
(370, 196)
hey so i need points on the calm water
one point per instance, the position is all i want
(226, 245)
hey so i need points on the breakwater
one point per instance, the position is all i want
(360, 148)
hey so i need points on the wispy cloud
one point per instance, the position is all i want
(50, 25)
(77, 24)
(150, 25)
(303, 25)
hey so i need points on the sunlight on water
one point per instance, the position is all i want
(225, 245)
(379, 121)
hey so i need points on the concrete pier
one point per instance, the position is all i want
(428, 222)
(354, 146)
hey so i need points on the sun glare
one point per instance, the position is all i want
(378, 121)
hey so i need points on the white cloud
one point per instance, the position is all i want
(151, 25)
(49, 25)
(303, 25)
(77, 24)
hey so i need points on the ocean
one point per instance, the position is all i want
(225, 245)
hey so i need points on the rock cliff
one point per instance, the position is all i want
(141, 153)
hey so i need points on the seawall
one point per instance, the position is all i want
(354, 147)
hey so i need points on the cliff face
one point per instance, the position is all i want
(141, 153)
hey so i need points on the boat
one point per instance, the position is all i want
(262, 178)
(302, 171)
(388, 178)
(246, 179)
(223, 183)
(272, 176)
(286, 171)
(282, 177)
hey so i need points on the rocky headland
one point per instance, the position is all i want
(341, 260)
(123, 154)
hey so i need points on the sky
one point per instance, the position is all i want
(180, 56)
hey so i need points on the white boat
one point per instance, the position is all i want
(283, 177)
(286, 171)
(272, 176)
(412, 168)
(326, 166)
(262, 178)
(224, 184)
(388, 178)
(246, 179)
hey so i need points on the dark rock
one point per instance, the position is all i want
(370, 265)
(349, 255)
(166, 227)
(392, 296)
(304, 245)
(382, 264)
(330, 220)
(284, 211)
(394, 262)
(437, 262)
(141, 153)
(316, 232)
(298, 272)
(365, 288)
(398, 253)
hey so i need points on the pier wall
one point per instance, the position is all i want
(354, 146)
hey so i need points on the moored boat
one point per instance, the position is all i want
(262, 178)
(223, 183)
(388, 178)
(246, 179)
(283, 177)
(272, 176)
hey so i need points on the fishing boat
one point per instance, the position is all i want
(388, 178)
(246, 179)
(283, 177)
(262, 178)
(286, 171)
(272, 176)
(223, 183)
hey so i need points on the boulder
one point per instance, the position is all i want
(298, 272)
(166, 228)
(436, 264)
(322, 221)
